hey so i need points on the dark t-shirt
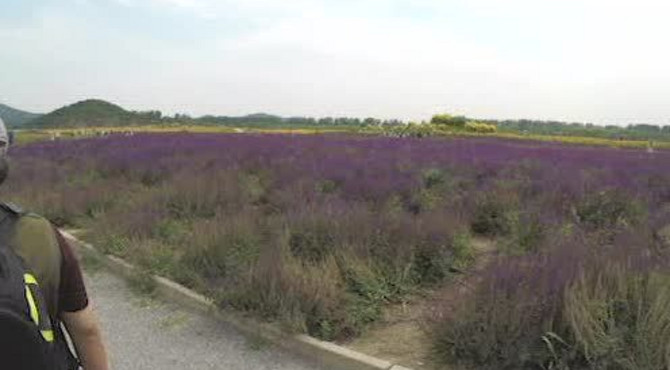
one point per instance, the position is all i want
(72, 295)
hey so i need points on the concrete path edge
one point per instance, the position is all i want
(328, 353)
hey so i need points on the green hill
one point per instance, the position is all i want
(14, 117)
(89, 113)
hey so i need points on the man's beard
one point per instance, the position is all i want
(4, 168)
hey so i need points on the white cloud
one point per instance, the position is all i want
(594, 60)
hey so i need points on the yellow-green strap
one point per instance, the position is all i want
(47, 334)
(30, 279)
(34, 313)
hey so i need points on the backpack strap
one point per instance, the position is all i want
(12, 208)
(35, 241)
(9, 214)
(32, 237)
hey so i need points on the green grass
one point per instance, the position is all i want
(90, 263)
(23, 137)
(28, 136)
(143, 283)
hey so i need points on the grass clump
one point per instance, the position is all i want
(575, 306)
(143, 283)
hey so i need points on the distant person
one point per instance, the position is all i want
(41, 287)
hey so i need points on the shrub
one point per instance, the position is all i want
(414, 130)
(224, 249)
(312, 244)
(480, 128)
(494, 215)
(172, 231)
(307, 298)
(192, 195)
(449, 120)
(610, 209)
(112, 244)
(463, 254)
(620, 319)
(154, 256)
(575, 306)
(526, 232)
(326, 186)
(500, 325)
(433, 178)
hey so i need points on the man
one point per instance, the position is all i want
(48, 255)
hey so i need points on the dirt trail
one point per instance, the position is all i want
(399, 336)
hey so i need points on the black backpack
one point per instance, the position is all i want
(28, 340)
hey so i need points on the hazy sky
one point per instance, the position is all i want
(602, 61)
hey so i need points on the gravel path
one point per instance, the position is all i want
(142, 333)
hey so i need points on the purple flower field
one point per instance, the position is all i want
(320, 232)
(366, 168)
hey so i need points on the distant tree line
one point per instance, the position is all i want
(267, 120)
(99, 113)
(462, 123)
(523, 126)
(629, 132)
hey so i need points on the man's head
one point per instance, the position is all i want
(4, 146)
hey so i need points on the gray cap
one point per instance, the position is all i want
(4, 138)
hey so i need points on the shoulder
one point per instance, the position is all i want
(33, 230)
(35, 223)
(30, 230)
(24, 215)
(24, 221)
